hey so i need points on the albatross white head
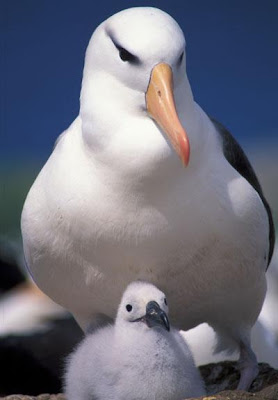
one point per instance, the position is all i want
(136, 102)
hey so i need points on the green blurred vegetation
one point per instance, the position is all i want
(15, 184)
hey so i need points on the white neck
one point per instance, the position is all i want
(119, 134)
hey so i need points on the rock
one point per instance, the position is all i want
(222, 378)
(225, 376)
(59, 396)
(218, 377)
(270, 393)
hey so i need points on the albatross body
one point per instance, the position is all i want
(144, 185)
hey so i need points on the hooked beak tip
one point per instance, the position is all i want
(155, 316)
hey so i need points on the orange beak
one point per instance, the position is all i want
(161, 107)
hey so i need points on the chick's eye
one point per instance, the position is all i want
(165, 301)
(128, 307)
(126, 55)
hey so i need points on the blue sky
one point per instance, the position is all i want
(232, 63)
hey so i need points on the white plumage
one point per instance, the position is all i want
(131, 360)
(114, 203)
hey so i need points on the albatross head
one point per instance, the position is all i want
(134, 76)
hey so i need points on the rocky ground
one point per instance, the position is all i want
(222, 377)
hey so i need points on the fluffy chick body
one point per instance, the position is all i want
(129, 361)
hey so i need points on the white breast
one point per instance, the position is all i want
(87, 235)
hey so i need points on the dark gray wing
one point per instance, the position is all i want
(236, 157)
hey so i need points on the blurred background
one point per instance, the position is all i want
(232, 64)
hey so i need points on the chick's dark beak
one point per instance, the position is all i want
(155, 316)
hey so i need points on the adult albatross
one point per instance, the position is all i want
(144, 185)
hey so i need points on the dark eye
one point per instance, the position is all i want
(180, 58)
(128, 307)
(165, 301)
(126, 55)
(123, 53)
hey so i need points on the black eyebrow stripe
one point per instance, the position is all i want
(135, 60)
(180, 58)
